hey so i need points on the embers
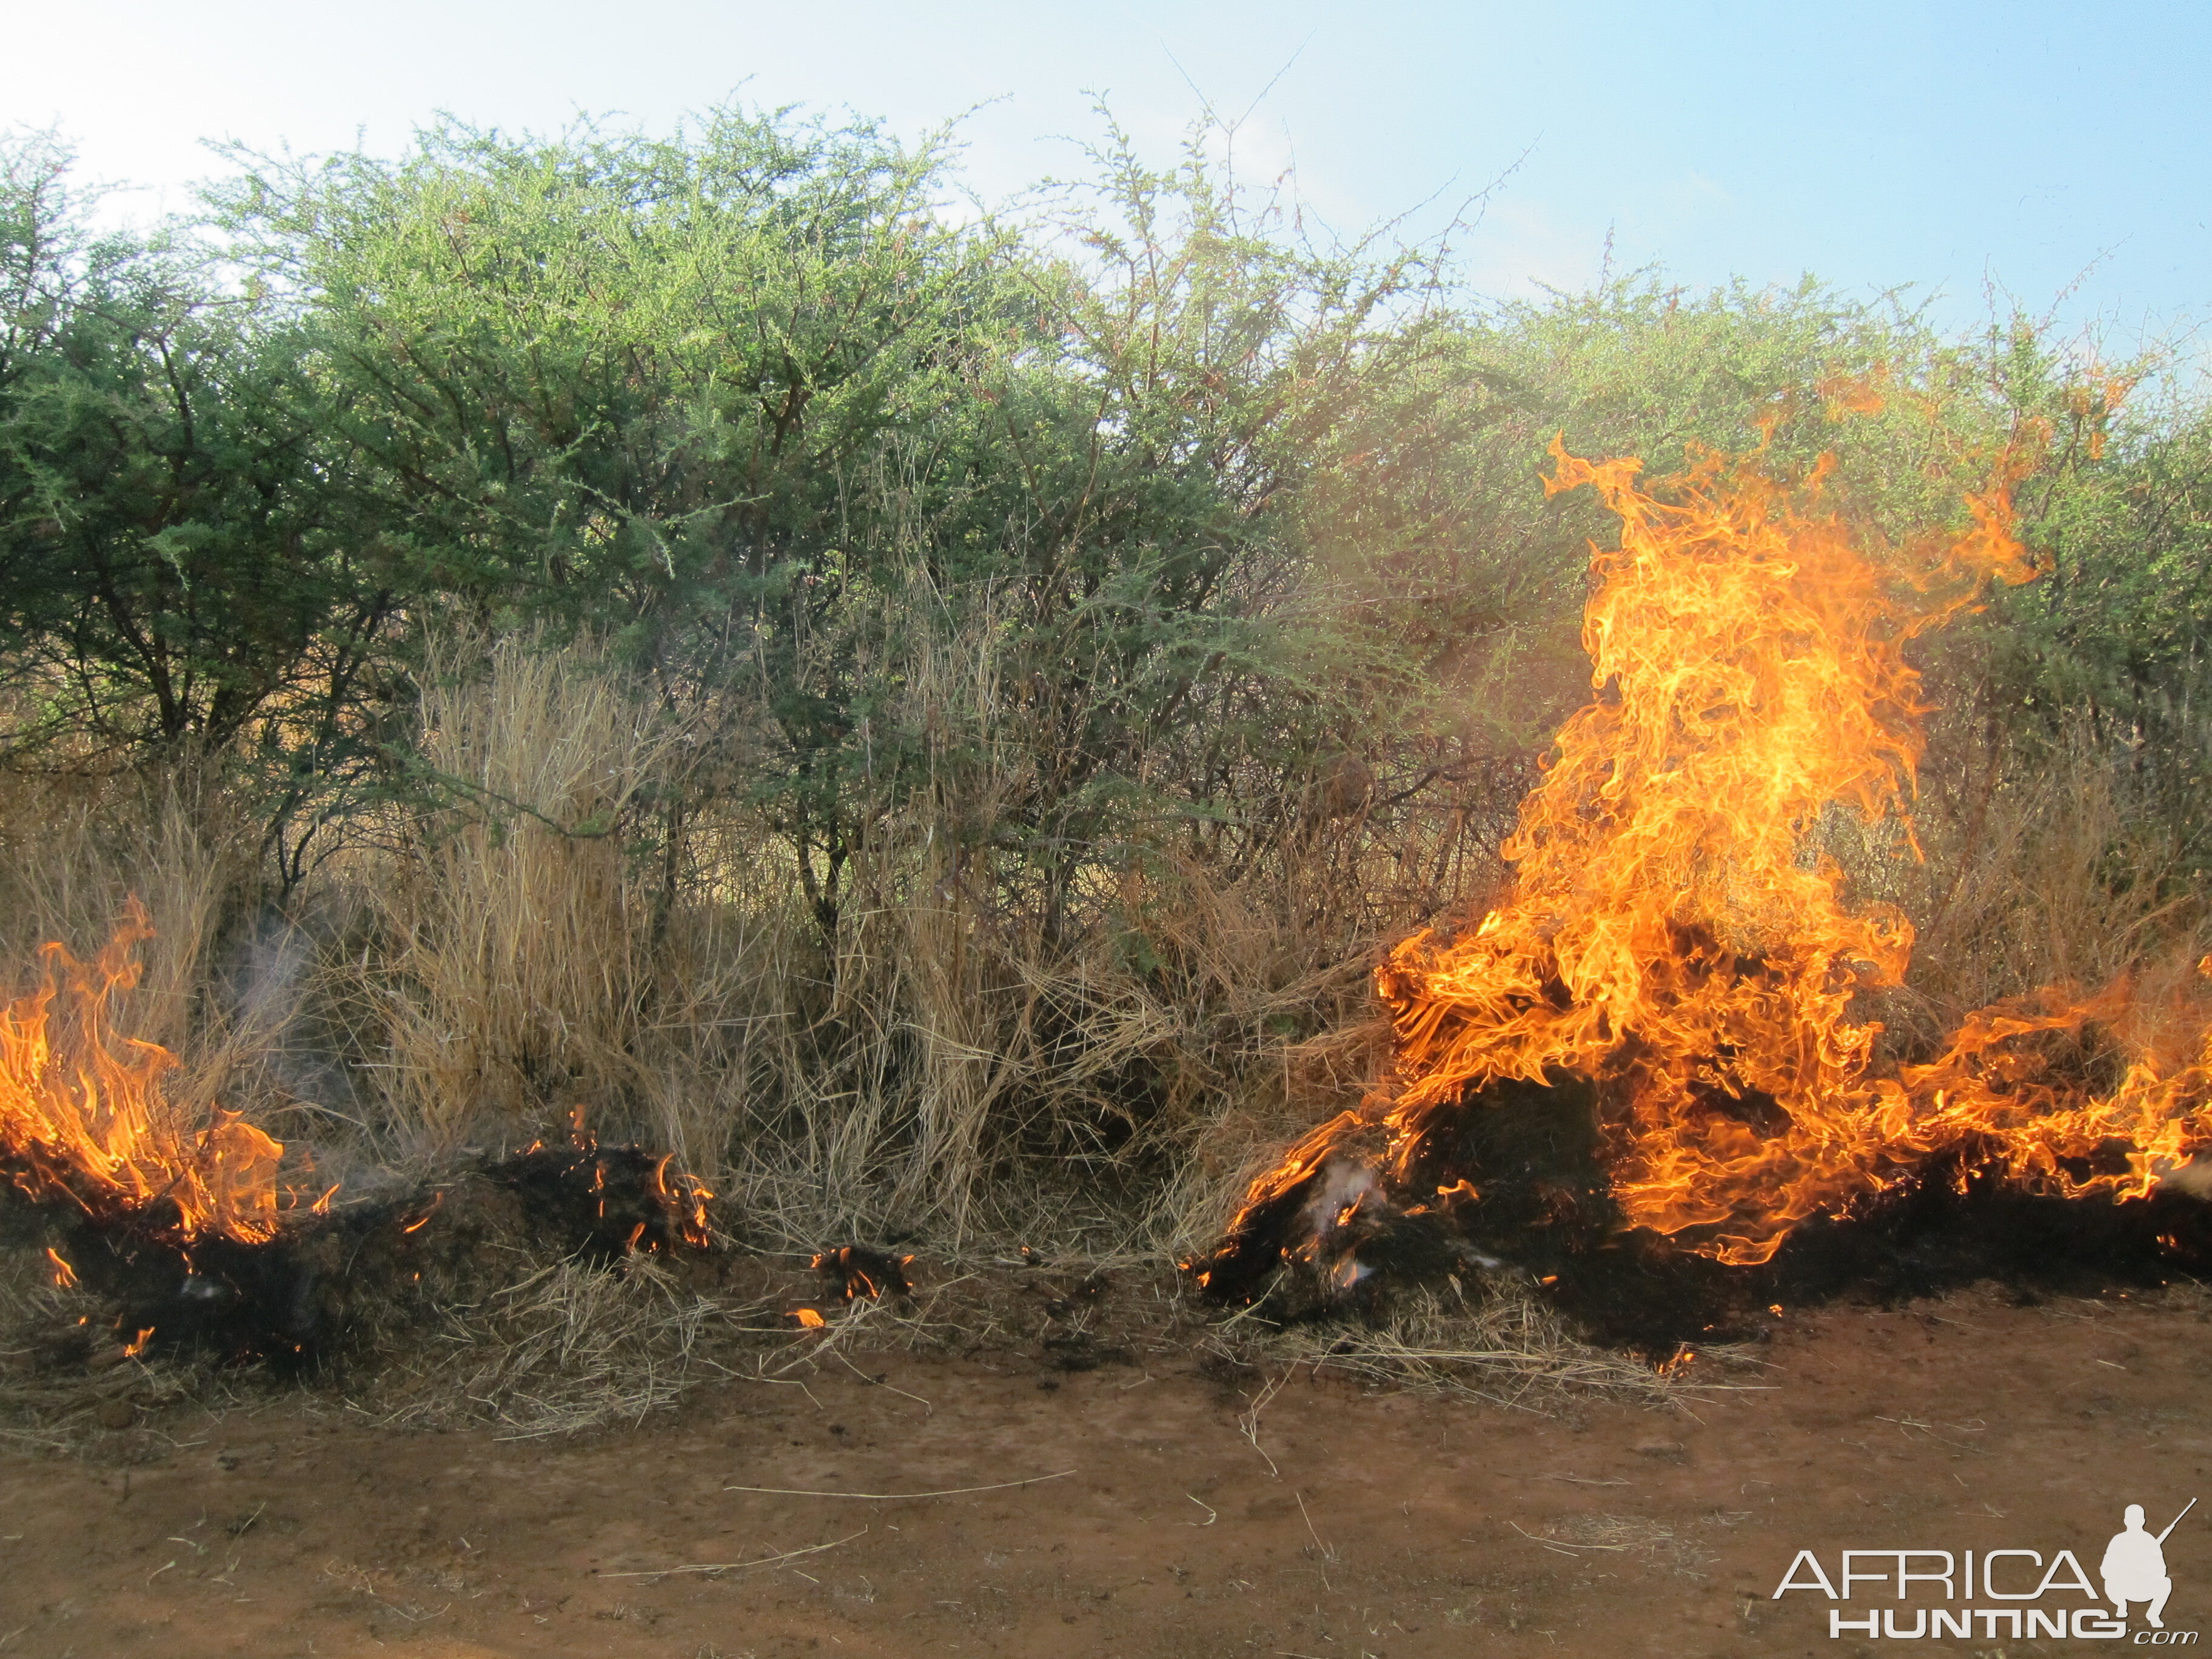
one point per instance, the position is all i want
(1337, 1239)
(855, 1273)
(1531, 1206)
(226, 1298)
(291, 1301)
(613, 1200)
(859, 1271)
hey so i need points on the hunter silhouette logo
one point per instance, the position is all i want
(2034, 1595)
(2133, 1568)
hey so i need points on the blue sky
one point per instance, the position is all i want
(2054, 155)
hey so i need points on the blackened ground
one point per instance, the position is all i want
(221, 1298)
(298, 1301)
(1544, 1212)
(858, 1270)
(602, 1201)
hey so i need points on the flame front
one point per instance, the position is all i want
(83, 1111)
(1672, 935)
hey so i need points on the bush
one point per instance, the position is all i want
(932, 716)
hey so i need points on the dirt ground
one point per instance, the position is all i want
(1164, 1516)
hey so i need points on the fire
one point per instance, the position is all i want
(1673, 934)
(83, 1111)
(685, 1200)
(861, 1272)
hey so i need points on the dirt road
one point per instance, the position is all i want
(1164, 1517)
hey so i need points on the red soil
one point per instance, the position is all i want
(1391, 1524)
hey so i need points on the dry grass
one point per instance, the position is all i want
(1500, 1346)
(950, 1059)
(945, 1061)
(2039, 872)
(51, 1405)
(569, 1347)
(516, 964)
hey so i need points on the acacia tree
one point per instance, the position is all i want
(181, 563)
(682, 392)
(745, 400)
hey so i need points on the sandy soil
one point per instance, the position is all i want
(1354, 1522)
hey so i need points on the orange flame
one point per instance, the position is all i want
(82, 1110)
(437, 1200)
(1673, 934)
(64, 1275)
(809, 1318)
(686, 1200)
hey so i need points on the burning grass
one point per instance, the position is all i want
(475, 1319)
(85, 1113)
(1657, 1043)
(1684, 1043)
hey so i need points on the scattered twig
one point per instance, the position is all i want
(1248, 1422)
(878, 1383)
(898, 1497)
(736, 1566)
(1561, 1544)
(239, 1528)
(1327, 1555)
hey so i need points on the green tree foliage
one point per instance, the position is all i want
(1234, 538)
(183, 564)
(680, 393)
(747, 402)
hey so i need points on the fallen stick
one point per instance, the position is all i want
(894, 1497)
(733, 1566)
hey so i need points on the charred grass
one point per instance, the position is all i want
(494, 1336)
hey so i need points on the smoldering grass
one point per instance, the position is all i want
(65, 1384)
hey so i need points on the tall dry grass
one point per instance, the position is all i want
(515, 966)
(949, 1063)
(2050, 867)
(76, 851)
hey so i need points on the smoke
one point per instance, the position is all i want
(2194, 1178)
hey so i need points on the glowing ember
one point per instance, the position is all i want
(859, 1272)
(1674, 938)
(685, 1200)
(82, 1110)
